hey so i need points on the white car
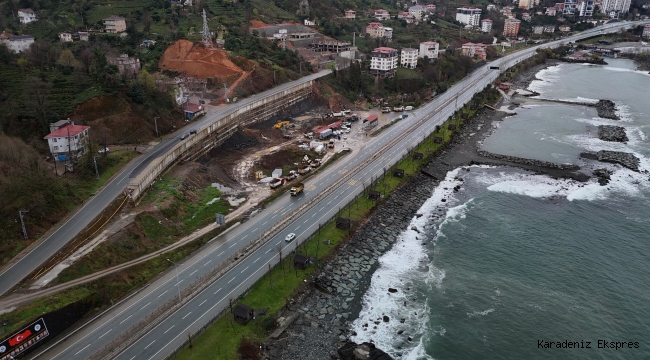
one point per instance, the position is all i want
(290, 237)
(408, 108)
(104, 150)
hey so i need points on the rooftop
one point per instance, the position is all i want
(27, 10)
(113, 17)
(66, 131)
(384, 50)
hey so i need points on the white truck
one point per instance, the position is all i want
(276, 183)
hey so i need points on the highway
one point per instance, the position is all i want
(171, 333)
(15, 273)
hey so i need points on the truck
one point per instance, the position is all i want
(276, 183)
(338, 114)
(297, 189)
(324, 134)
(304, 171)
(292, 175)
(398, 108)
(309, 135)
(385, 109)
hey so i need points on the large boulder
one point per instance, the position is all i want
(366, 351)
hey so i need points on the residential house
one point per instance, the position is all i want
(381, 14)
(511, 27)
(310, 22)
(417, 12)
(350, 14)
(507, 11)
(471, 50)
(559, 7)
(375, 30)
(388, 33)
(406, 16)
(16, 43)
(486, 25)
(430, 8)
(526, 4)
(409, 58)
(538, 29)
(551, 11)
(526, 16)
(549, 29)
(220, 43)
(25, 16)
(114, 24)
(67, 141)
(383, 61)
(83, 35)
(65, 37)
(468, 16)
(429, 49)
(128, 66)
(646, 31)
(564, 28)
(491, 7)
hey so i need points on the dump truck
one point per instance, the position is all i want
(304, 171)
(292, 175)
(281, 124)
(385, 109)
(297, 189)
(276, 183)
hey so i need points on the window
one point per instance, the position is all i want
(54, 140)
(56, 148)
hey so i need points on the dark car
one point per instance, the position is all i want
(193, 132)
(184, 136)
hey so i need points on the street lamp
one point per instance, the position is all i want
(177, 285)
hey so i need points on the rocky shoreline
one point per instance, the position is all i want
(321, 318)
(627, 160)
(607, 109)
(612, 133)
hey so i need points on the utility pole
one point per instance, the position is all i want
(274, 76)
(22, 222)
(155, 121)
(96, 170)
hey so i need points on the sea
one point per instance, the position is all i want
(517, 265)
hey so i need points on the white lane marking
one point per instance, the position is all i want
(105, 333)
(162, 293)
(168, 329)
(229, 281)
(255, 260)
(244, 269)
(233, 244)
(207, 263)
(192, 273)
(82, 349)
(221, 253)
(268, 251)
(314, 215)
(264, 223)
(151, 343)
(203, 302)
(126, 319)
(305, 221)
(331, 200)
(255, 229)
(142, 308)
(299, 227)
(188, 314)
(178, 283)
(217, 291)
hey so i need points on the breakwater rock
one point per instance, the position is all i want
(365, 351)
(607, 109)
(612, 133)
(324, 313)
(628, 160)
(529, 162)
(603, 176)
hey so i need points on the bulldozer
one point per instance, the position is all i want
(281, 124)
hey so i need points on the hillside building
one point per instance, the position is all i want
(16, 43)
(67, 140)
(526, 4)
(511, 27)
(646, 31)
(409, 58)
(471, 50)
(429, 49)
(383, 61)
(417, 12)
(114, 24)
(468, 16)
(127, 65)
(25, 16)
(614, 8)
(486, 25)
(350, 14)
(375, 30)
(381, 14)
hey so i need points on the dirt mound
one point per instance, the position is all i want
(256, 24)
(194, 60)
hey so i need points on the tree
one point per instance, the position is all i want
(146, 22)
(146, 81)
(36, 92)
(66, 58)
(22, 63)
(136, 93)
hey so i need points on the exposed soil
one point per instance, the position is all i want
(195, 60)
(256, 24)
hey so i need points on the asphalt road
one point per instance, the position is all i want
(163, 339)
(15, 273)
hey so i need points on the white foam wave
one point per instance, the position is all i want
(580, 99)
(545, 78)
(419, 353)
(400, 268)
(480, 313)
(620, 69)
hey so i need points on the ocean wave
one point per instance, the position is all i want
(480, 313)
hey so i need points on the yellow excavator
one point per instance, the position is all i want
(281, 124)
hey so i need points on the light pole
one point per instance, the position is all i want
(177, 285)
(95, 161)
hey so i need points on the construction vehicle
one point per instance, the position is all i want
(331, 144)
(292, 175)
(385, 109)
(297, 189)
(281, 124)
(276, 183)
(398, 108)
(304, 171)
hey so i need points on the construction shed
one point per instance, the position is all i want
(398, 173)
(300, 261)
(418, 155)
(374, 195)
(243, 313)
(343, 223)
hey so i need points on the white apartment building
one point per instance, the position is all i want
(381, 14)
(585, 8)
(614, 8)
(526, 4)
(486, 25)
(16, 43)
(69, 141)
(388, 33)
(417, 12)
(409, 58)
(429, 49)
(383, 61)
(25, 16)
(468, 16)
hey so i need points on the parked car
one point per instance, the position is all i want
(290, 237)
(184, 136)
(103, 151)
(193, 132)
(408, 108)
